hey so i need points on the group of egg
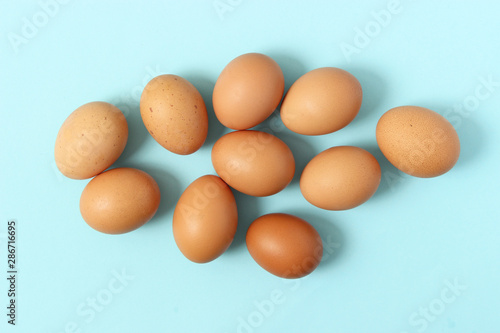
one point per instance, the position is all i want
(416, 140)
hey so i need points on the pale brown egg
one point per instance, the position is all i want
(119, 200)
(90, 140)
(205, 219)
(418, 141)
(340, 178)
(321, 101)
(174, 113)
(247, 91)
(284, 245)
(253, 162)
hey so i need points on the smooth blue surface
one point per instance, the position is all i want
(386, 261)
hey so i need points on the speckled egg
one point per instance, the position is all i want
(90, 140)
(418, 141)
(284, 245)
(174, 113)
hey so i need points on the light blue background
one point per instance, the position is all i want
(384, 261)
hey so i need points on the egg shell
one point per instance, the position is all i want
(284, 245)
(119, 200)
(321, 101)
(174, 113)
(340, 178)
(90, 140)
(253, 162)
(205, 219)
(418, 141)
(247, 91)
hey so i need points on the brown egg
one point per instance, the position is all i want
(284, 245)
(247, 91)
(174, 113)
(119, 200)
(418, 141)
(340, 178)
(321, 101)
(90, 140)
(253, 162)
(205, 219)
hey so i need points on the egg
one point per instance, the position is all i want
(119, 200)
(418, 141)
(321, 101)
(205, 219)
(174, 113)
(284, 245)
(340, 178)
(247, 91)
(253, 162)
(90, 140)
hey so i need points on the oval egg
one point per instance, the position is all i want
(205, 219)
(284, 245)
(247, 91)
(90, 140)
(119, 200)
(321, 101)
(340, 178)
(174, 113)
(253, 162)
(418, 141)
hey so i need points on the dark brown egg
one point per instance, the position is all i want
(284, 245)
